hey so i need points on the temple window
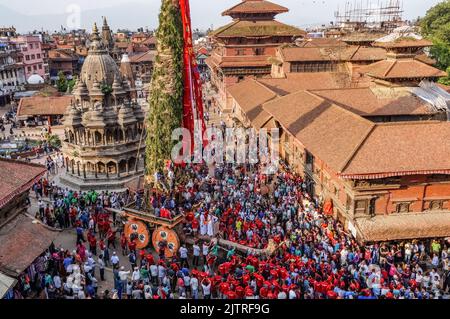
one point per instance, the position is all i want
(240, 52)
(259, 51)
(360, 207)
(403, 207)
(436, 205)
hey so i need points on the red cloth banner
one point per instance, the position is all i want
(193, 98)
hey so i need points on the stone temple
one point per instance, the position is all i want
(105, 136)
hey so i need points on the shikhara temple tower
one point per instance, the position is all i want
(104, 126)
(243, 48)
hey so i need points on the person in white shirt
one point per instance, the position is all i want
(206, 287)
(123, 275)
(161, 273)
(136, 275)
(194, 287)
(205, 251)
(57, 282)
(196, 254)
(184, 256)
(154, 273)
(115, 260)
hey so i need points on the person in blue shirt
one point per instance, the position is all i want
(80, 237)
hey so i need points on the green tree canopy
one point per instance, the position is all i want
(61, 83)
(436, 27)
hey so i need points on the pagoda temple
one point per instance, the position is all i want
(104, 126)
(401, 66)
(243, 48)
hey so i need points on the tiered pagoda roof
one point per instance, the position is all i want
(258, 28)
(256, 18)
(402, 69)
(255, 7)
(405, 42)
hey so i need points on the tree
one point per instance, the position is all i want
(71, 84)
(61, 83)
(436, 27)
(166, 92)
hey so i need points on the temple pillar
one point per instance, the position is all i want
(73, 168)
(78, 169)
(67, 165)
(95, 171)
(84, 171)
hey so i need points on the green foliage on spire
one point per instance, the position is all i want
(166, 91)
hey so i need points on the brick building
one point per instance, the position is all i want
(33, 57)
(243, 47)
(370, 146)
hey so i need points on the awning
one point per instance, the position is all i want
(6, 283)
(23, 239)
(404, 226)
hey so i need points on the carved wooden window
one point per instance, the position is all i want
(403, 207)
(436, 205)
(361, 207)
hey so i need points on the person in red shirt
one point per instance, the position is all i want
(132, 246)
(141, 255)
(93, 244)
(111, 236)
(124, 244)
(150, 259)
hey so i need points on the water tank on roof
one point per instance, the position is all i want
(35, 79)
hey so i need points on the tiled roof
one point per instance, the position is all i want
(251, 104)
(306, 81)
(255, 6)
(122, 45)
(321, 43)
(148, 56)
(401, 68)
(425, 59)
(258, 28)
(404, 226)
(404, 43)
(361, 53)
(294, 54)
(362, 36)
(403, 147)
(364, 102)
(338, 53)
(240, 61)
(22, 241)
(62, 55)
(328, 131)
(250, 93)
(40, 105)
(16, 176)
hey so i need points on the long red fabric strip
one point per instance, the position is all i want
(192, 99)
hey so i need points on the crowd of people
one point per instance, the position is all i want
(313, 257)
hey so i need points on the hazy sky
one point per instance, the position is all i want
(204, 12)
